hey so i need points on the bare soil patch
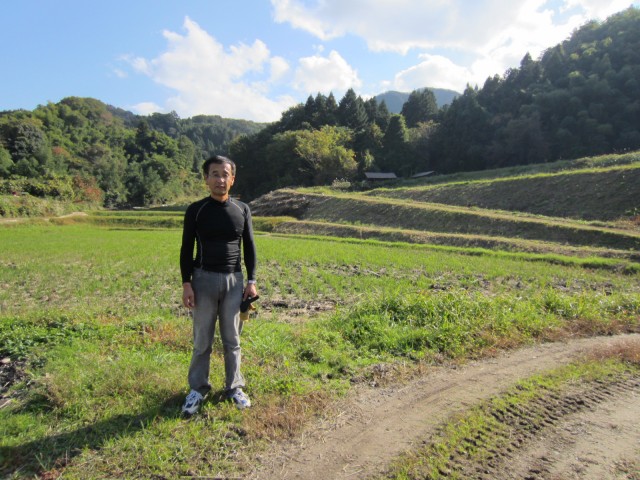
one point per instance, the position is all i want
(10, 373)
(374, 425)
(591, 444)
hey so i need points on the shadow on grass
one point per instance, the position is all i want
(56, 451)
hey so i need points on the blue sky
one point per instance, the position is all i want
(253, 59)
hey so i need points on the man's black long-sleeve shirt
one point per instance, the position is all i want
(218, 230)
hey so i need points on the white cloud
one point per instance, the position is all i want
(398, 25)
(120, 73)
(299, 16)
(401, 25)
(492, 35)
(210, 80)
(434, 71)
(279, 68)
(325, 75)
(139, 64)
(598, 9)
(146, 108)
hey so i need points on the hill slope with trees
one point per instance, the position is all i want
(580, 98)
(83, 150)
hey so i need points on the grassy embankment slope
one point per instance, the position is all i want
(588, 207)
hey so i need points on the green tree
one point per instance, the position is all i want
(370, 147)
(243, 150)
(6, 163)
(291, 119)
(421, 106)
(331, 109)
(352, 113)
(325, 153)
(168, 123)
(283, 166)
(463, 136)
(395, 151)
(522, 143)
(311, 111)
(377, 113)
(383, 116)
(325, 111)
(144, 185)
(190, 159)
(29, 148)
(418, 143)
(109, 169)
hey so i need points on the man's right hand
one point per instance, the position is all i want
(188, 299)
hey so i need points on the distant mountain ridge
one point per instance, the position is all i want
(394, 100)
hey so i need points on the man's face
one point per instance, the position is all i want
(219, 180)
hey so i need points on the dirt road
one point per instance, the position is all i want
(599, 437)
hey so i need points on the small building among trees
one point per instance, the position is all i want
(380, 175)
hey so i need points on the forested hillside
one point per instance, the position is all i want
(580, 98)
(83, 150)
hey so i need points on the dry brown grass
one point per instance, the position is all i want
(278, 417)
(589, 327)
(173, 335)
(627, 351)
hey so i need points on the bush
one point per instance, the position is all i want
(28, 206)
(58, 188)
(85, 189)
(341, 184)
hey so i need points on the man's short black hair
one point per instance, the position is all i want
(218, 160)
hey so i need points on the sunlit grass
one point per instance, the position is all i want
(92, 318)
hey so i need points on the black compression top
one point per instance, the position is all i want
(218, 229)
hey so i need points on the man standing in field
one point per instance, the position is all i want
(212, 282)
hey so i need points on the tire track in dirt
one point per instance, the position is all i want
(538, 437)
(596, 444)
(375, 425)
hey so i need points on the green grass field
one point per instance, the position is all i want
(95, 344)
(98, 344)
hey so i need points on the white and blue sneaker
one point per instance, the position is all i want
(240, 398)
(192, 403)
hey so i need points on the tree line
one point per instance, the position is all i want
(323, 140)
(581, 97)
(81, 149)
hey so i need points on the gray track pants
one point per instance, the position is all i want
(217, 297)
